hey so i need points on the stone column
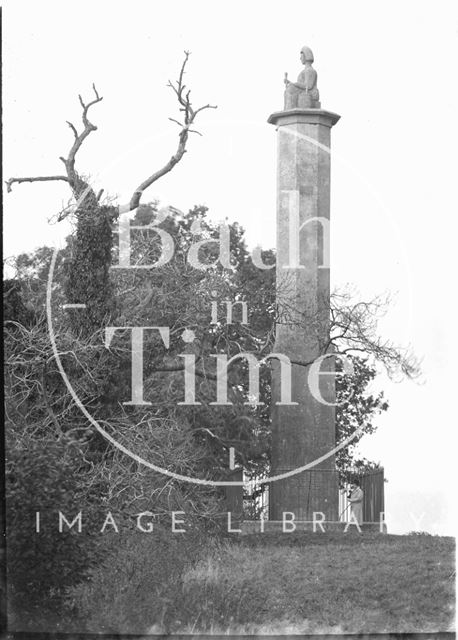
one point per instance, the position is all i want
(303, 432)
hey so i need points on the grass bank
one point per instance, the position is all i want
(329, 583)
(276, 584)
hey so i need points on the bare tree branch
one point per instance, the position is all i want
(69, 162)
(189, 115)
(354, 328)
(47, 404)
(72, 127)
(11, 181)
(79, 186)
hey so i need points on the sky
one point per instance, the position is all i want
(386, 67)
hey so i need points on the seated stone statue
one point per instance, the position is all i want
(303, 94)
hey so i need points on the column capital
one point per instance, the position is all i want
(304, 116)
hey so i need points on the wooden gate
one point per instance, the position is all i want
(373, 486)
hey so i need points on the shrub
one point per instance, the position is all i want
(140, 584)
(46, 477)
(419, 533)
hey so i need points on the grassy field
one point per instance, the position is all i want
(298, 583)
(324, 583)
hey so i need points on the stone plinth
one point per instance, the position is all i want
(303, 432)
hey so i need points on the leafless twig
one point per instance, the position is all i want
(69, 162)
(80, 187)
(189, 116)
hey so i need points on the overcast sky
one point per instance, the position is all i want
(388, 68)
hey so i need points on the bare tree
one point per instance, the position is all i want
(81, 189)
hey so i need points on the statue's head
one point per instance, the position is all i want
(306, 55)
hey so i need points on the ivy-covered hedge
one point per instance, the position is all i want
(47, 477)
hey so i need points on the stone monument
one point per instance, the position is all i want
(304, 93)
(303, 432)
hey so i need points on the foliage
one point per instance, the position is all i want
(419, 533)
(151, 297)
(356, 409)
(142, 580)
(46, 476)
(188, 440)
(88, 281)
(14, 307)
(39, 407)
